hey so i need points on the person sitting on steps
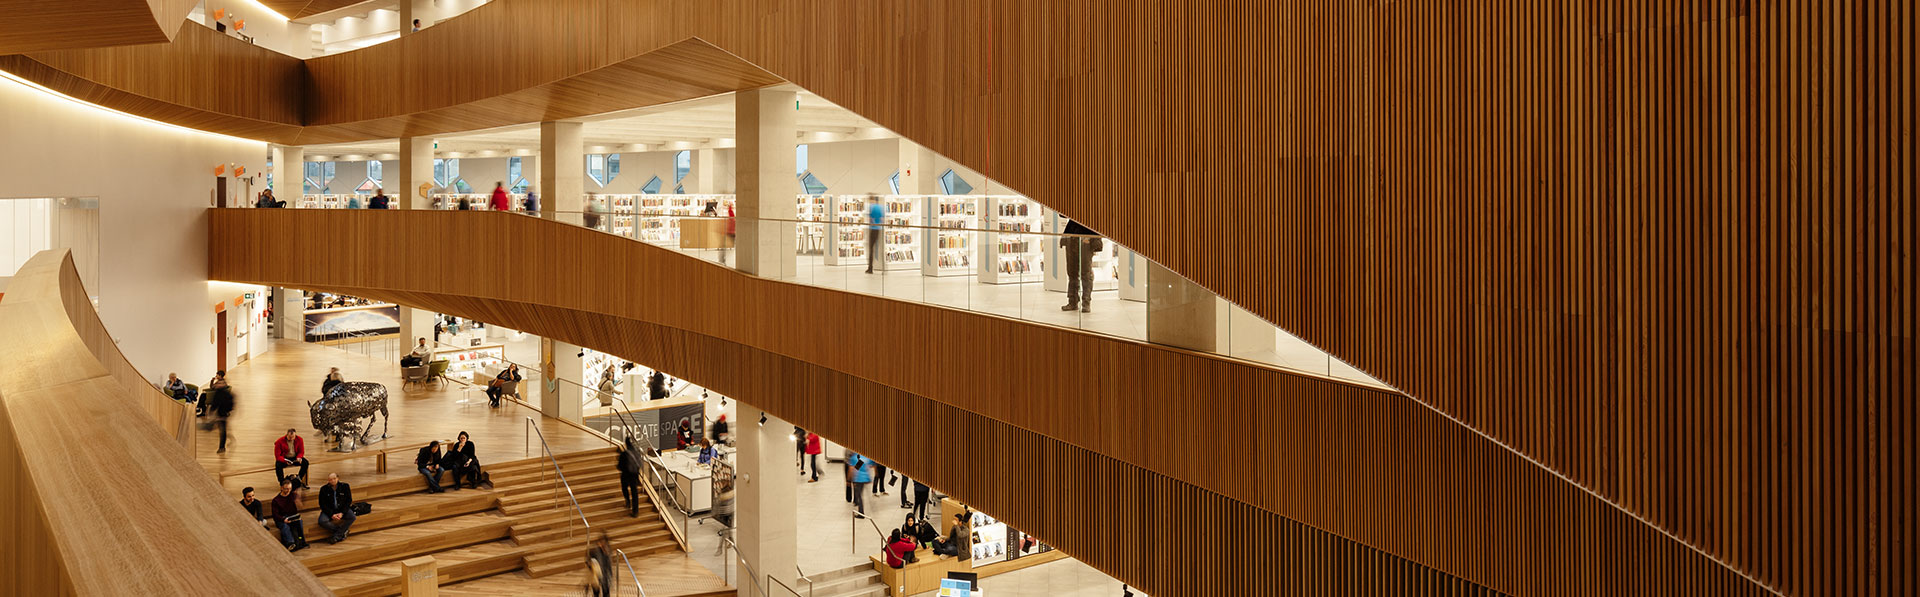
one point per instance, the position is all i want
(290, 450)
(461, 462)
(336, 507)
(286, 515)
(428, 463)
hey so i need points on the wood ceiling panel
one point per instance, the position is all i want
(35, 25)
(1373, 469)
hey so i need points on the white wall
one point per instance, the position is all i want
(267, 29)
(635, 170)
(855, 167)
(154, 184)
(350, 28)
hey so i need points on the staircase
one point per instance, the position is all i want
(525, 523)
(853, 581)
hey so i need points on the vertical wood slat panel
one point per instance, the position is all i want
(1378, 477)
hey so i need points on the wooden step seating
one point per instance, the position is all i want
(525, 522)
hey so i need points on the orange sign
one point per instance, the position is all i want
(239, 24)
(239, 170)
(220, 170)
(219, 13)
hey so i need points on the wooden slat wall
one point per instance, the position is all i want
(98, 500)
(1370, 468)
(1664, 249)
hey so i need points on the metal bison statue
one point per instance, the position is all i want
(339, 414)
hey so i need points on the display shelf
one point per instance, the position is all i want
(848, 231)
(327, 201)
(811, 239)
(950, 253)
(902, 245)
(463, 363)
(1011, 255)
(655, 214)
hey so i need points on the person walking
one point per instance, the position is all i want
(879, 478)
(906, 485)
(290, 450)
(220, 405)
(336, 507)
(876, 215)
(1079, 257)
(629, 466)
(608, 388)
(921, 495)
(860, 474)
(531, 203)
(814, 449)
(353, 201)
(500, 201)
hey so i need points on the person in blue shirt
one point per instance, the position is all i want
(353, 202)
(859, 471)
(876, 215)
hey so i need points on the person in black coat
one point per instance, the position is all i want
(336, 507)
(428, 463)
(1079, 258)
(461, 462)
(629, 466)
(921, 495)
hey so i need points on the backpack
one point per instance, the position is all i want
(362, 508)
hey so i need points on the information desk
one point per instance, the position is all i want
(999, 556)
(692, 481)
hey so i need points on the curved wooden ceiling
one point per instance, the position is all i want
(36, 25)
(1644, 251)
(1069, 434)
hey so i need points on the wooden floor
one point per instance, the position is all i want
(272, 391)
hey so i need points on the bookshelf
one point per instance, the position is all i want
(950, 253)
(1009, 255)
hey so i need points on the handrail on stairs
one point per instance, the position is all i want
(548, 450)
(630, 572)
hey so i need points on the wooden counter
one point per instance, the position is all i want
(703, 234)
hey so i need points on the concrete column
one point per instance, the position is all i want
(416, 169)
(915, 163)
(706, 173)
(559, 360)
(1180, 312)
(563, 170)
(414, 325)
(289, 174)
(764, 497)
(765, 121)
(289, 312)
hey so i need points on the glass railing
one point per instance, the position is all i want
(1003, 272)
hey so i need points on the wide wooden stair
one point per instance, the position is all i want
(526, 522)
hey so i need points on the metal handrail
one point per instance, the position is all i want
(754, 576)
(857, 516)
(548, 450)
(799, 574)
(630, 572)
(796, 221)
(774, 580)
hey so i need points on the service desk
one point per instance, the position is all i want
(997, 549)
(703, 233)
(692, 481)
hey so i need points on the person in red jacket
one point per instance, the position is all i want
(290, 450)
(813, 453)
(898, 546)
(499, 201)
